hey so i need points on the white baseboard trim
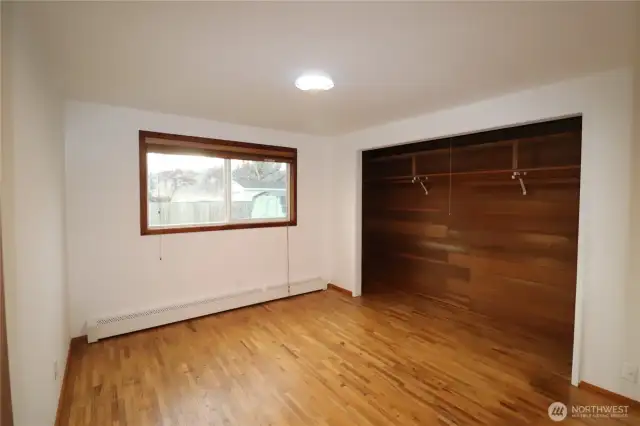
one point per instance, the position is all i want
(104, 327)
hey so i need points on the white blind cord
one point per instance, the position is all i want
(450, 171)
(288, 280)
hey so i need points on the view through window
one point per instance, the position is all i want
(258, 190)
(210, 190)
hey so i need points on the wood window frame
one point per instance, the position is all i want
(150, 141)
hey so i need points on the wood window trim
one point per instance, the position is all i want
(150, 141)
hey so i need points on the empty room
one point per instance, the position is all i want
(319, 213)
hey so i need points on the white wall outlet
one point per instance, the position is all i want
(630, 372)
(55, 371)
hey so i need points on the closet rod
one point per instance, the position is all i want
(478, 172)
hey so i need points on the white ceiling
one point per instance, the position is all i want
(237, 61)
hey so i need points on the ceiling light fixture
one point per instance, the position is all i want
(314, 82)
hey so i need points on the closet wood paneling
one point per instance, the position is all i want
(475, 241)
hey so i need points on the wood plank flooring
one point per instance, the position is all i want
(323, 359)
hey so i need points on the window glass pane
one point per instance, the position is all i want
(185, 190)
(259, 190)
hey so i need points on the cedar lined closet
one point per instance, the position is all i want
(450, 220)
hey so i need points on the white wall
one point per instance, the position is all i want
(632, 341)
(33, 224)
(605, 100)
(112, 269)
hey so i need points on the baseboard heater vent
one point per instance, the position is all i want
(101, 328)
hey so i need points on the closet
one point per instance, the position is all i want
(486, 222)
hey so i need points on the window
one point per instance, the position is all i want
(190, 184)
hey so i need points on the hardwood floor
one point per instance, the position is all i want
(323, 359)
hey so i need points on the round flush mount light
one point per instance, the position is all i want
(314, 82)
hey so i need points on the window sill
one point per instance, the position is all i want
(222, 227)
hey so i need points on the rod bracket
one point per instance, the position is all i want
(519, 176)
(421, 181)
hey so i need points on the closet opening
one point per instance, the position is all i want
(479, 234)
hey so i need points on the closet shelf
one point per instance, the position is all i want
(427, 152)
(471, 173)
